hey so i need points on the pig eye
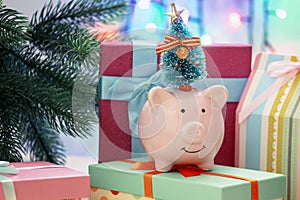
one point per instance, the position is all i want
(203, 110)
(182, 110)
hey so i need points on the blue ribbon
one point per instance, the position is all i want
(135, 90)
(144, 58)
(121, 88)
(135, 105)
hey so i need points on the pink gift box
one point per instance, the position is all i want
(47, 181)
(223, 61)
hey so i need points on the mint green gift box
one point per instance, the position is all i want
(118, 176)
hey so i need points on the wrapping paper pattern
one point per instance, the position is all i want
(79, 199)
(102, 194)
(127, 60)
(269, 139)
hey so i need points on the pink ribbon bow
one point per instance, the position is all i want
(283, 71)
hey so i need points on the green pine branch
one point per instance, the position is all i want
(43, 143)
(80, 11)
(42, 85)
(11, 147)
(48, 27)
(43, 101)
(13, 27)
(29, 62)
(11, 144)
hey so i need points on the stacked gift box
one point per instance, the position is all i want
(123, 67)
(42, 180)
(125, 64)
(116, 180)
(254, 144)
(268, 119)
(259, 156)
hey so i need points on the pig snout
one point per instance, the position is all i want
(193, 132)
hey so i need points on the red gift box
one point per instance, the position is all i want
(226, 61)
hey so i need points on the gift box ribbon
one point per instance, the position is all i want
(7, 183)
(283, 71)
(145, 76)
(186, 171)
(135, 90)
(121, 88)
(172, 42)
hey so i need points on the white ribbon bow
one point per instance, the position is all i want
(6, 169)
(7, 183)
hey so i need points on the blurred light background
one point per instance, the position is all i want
(268, 25)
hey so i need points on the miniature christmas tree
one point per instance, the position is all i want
(182, 58)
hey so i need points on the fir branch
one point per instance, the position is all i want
(80, 12)
(43, 143)
(13, 27)
(11, 126)
(57, 30)
(51, 85)
(80, 45)
(41, 65)
(11, 146)
(45, 101)
(68, 46)
(29, 62)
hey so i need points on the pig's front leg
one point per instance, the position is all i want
(163, 166)
(206, 165)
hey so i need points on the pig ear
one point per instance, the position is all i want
(219, 94)
(158, 95)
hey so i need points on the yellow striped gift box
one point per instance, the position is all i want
(268, 132)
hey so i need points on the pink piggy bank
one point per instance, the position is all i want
(183, 127)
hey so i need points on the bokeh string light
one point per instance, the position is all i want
(196, 17)
(161, 6)
(130, 16)
(279, 13)
(199, 19)
(237, 19)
